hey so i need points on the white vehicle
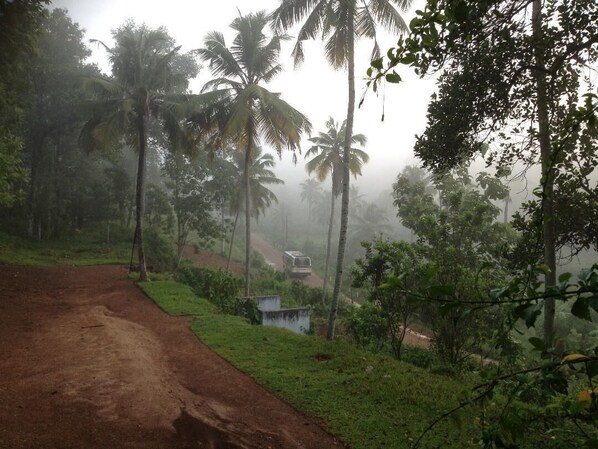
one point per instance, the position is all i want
(296, 263)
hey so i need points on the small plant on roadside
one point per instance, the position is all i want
(160, 251)
(249, 310)
(217, 286)
(367, 327)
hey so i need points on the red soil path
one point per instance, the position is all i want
(88, 361)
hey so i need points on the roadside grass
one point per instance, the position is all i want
(77, 249)
(368, 400)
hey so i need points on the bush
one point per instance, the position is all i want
(422, 357)
(159, 250)
(367, 327)
(248, 309)
(217, 286)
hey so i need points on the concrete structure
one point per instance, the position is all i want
(296, 320)
(267, 303)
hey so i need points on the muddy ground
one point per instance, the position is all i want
(88, 361)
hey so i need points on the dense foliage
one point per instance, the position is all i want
(513, 88)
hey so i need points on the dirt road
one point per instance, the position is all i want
(87, 361)
(273, 256)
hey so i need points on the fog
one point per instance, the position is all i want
(314, 88)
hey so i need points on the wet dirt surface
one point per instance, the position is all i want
(88, 361)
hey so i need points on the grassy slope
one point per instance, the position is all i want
(371, 401)
(82, 249)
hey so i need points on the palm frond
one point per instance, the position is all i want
(365, 26)
(102, 85)
(219, 58)
(280, 124)
(216, 83)
(360, 139)
(313, 26)
(337, 46)
(291, 12)
(387, 15)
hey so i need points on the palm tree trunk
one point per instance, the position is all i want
(248, 215)
(180, 241)
(547, 162)
(232, 239)
(342, 241)
(328, 245)
(140, 195)
(222, 228)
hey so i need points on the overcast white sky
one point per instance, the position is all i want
(315, 88)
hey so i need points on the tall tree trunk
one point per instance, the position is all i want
(140, 194)
(56, 223)
(506, 213)
(328, 245)
(181, 242)
(34, 227)
(222, 228)
(248, 156)
(547, 162)
(232, 240)
(342, 241)
(181, 234)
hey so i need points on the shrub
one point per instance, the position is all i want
(248, 309)
(217, 286)
(367, 327)
(160, 251)
(422, 357)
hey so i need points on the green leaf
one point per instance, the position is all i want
(537, 343)
(565, 277)
(414, 24)
(393, 78)
(529, 313)
(377, 63)
(408, 59)
(543, 268)
(581, 309)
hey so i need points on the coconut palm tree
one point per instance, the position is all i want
(311, 191)
(327, 161)
(250, 112)
(149, 79)
(370, 223)
(262, 198)
(340, 23)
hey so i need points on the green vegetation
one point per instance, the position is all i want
(513, 89)
(368, 400)
(79, 249)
